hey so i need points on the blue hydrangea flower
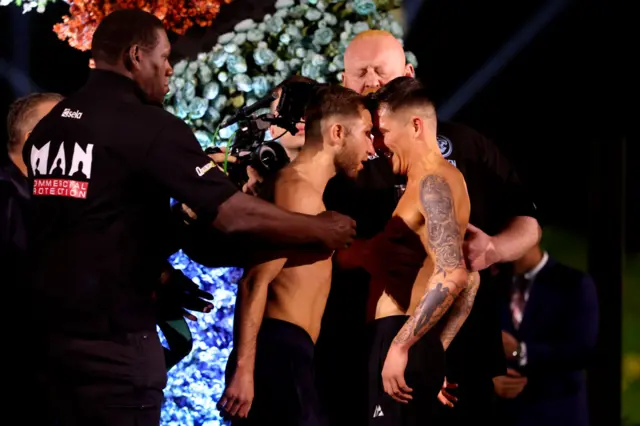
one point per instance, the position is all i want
(323, 36)
(264, 56)
(236, 64)
(364, 7)
(313, 15)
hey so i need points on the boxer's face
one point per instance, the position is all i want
(394, 130)
(372, 61)
(286, 139)
(152, 70)
(356, 147)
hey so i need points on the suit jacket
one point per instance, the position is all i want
(559, 329)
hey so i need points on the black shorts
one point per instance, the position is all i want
(284, 379)
(114, 381)
(424, 374)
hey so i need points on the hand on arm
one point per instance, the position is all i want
(481, 250)
(448, 279)
(512, 206)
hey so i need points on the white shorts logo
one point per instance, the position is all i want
(377, 412)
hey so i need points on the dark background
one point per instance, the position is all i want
(544, 108)
(557, 109)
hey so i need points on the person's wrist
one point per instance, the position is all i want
(400, 347)
(494, 248)
(244, 367)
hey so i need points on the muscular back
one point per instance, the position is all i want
(299, 292)
(440, 196)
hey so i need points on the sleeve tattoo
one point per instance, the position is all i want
(460, 310)
(444, 245)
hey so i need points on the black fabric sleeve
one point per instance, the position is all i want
(512, 196)
(176, 160)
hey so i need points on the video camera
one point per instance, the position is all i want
(249, 145)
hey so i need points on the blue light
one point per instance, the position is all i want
(197, 382)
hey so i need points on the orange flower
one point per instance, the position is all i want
(178, 16)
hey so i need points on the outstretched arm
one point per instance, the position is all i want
(444, 246)
(460, 310)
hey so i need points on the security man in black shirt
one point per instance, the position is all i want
(102, 167)
(500, 208)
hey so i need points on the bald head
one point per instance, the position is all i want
(372, 59)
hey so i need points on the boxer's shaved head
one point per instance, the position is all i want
(372, 59)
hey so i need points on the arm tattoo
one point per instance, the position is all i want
(444, 241)
(460, 311)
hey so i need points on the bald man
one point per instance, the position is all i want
(501, 228)
(374, 58)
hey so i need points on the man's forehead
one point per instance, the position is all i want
(163, 41)
(373, 50)
(365, 58)
(366, 117)
(384, 115)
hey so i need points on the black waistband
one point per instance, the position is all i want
(286, 335)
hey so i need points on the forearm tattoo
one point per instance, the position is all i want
(460, 311)
(444, 241)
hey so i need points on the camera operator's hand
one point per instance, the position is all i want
(177, 293)
(219, 158)
(338, 231)
(251, 187)
(185, 209)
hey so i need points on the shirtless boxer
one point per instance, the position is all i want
(281, 302)
(406, 363)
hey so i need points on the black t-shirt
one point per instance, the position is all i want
(102, 168)
(496, 196)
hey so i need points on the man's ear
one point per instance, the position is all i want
(409, 71)
(337, 132)
(418, 126)
(132, 58)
